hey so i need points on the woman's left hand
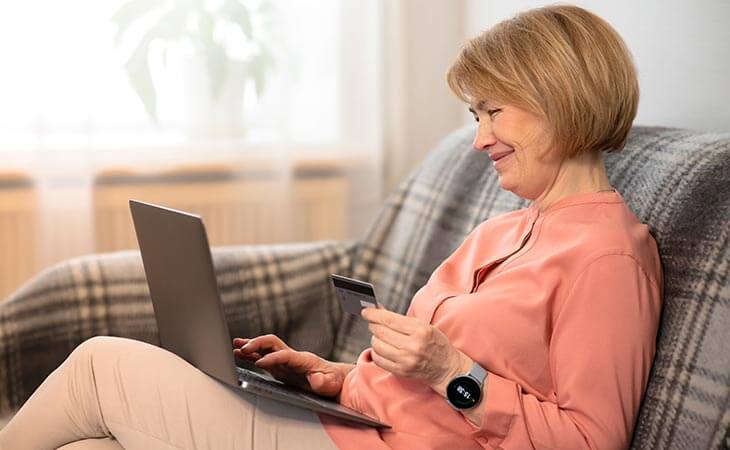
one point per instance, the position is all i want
(408, 347)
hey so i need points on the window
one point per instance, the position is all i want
(64, 87)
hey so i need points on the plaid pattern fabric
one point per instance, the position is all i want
(674, 180)
(281, 289)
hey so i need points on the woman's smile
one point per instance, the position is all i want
(499, 159)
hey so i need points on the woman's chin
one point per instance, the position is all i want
(505, 183)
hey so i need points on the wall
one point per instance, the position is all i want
(419, 41)
(681, 49)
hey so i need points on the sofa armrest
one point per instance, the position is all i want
(282, 289)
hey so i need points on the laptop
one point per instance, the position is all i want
(189, 311)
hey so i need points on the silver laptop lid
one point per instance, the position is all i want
(183, 287)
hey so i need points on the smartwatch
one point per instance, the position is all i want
(465, 391)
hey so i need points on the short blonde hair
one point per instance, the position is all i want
(562, 63)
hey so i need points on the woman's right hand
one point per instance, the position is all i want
(301, 369)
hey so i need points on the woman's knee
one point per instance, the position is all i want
(124, 357)
(100, 345)
(103, 349)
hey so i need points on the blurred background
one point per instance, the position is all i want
(277, 120)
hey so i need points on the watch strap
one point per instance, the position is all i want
(478, 372)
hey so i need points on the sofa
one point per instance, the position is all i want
(677, 181)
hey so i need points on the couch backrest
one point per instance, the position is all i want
(676, 181)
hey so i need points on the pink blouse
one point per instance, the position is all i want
(560, 306)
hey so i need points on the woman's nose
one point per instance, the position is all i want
(484, 137)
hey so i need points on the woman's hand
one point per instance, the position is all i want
(408, 347)
(301, 369)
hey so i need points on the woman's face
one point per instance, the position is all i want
(530, 167)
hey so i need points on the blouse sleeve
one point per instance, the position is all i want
(601, 350)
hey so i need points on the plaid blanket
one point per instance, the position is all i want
(677, 181)
(281, 289)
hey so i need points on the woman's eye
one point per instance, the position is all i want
(476, 118)
(492, 112)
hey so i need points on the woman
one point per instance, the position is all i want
(537, 332)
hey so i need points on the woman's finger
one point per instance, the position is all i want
(384, 362)
(264, 344)
(248, 356)
(392, 337)
(317, 380)
(398, 322)
(287, 357)
(385, 349)
(239, 342)
(274, 359)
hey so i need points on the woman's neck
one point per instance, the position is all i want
(581, 174)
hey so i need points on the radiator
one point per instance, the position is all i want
(258, 204)
(18, 231)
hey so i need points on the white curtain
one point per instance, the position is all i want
(69, 113)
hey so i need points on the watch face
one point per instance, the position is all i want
(463, 392)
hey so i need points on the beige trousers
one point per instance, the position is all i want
(116, 393)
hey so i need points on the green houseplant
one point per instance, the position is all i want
(208, 30)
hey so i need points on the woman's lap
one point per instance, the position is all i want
(147, 397)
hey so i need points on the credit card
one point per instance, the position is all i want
(354, 294)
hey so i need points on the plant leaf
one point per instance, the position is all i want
(173, 24)
(260, 65)
(239, 15)
(257, 70)
(130, 12)
(206, 25)
(138, 72)
(267, 55)
(216, 60)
